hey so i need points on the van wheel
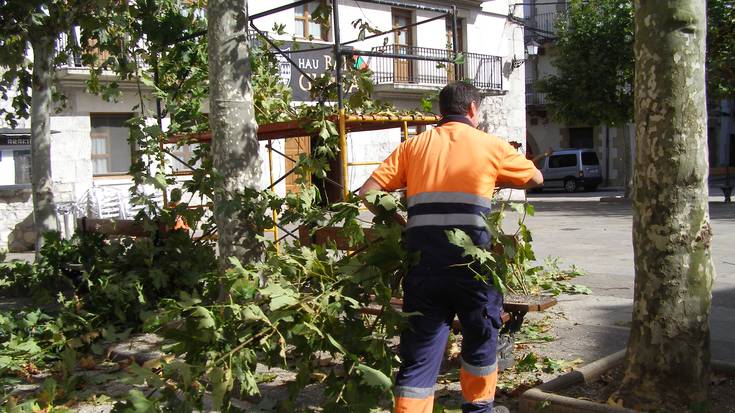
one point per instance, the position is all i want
(570, 185)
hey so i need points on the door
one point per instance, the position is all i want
(403, 42)
(450, 47)
(294, 148)
(560, 166)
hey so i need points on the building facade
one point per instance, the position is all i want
(91, 155)
(615, 146)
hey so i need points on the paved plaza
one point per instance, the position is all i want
(597, 237)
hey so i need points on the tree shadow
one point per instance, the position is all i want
(23, 236)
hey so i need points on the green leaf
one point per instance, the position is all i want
(517, 207)
(373, 377)
(140, 403)
(336, 345)
(253, 313)
(528, 363)
(461, 239)
(206, 319)
(221, 381)
(281, 302)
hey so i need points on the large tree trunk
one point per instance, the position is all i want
(668, 353)
(44, 215)
(234, 144)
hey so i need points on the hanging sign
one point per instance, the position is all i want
(15, 140)
(314, 63)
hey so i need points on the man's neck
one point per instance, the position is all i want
(456, 118)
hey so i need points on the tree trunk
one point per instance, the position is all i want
(668, 352)
(234, 131)
(44, 215)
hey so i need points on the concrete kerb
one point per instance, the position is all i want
(542, 398)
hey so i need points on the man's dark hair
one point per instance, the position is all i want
(456, 97)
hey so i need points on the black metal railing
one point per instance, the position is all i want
(71, 59)
(545, 23)
(483, 71)
(534, 98)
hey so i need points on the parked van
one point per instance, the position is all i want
(571, 169)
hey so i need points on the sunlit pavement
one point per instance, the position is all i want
(597, 237)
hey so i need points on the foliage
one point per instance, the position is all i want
(534, 332)
(286, 310)
(720, 48)
(594, 57)
(26, 23)
(509, 263)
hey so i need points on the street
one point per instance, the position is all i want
(596, 236)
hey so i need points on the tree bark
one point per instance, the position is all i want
(234, 131)
(668, 353)
(44, 214)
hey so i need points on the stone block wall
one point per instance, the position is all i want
(16, 220)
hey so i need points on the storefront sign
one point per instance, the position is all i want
(314, 63)
(15, 140)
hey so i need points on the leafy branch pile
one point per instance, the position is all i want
(287, 309)
(510, 263)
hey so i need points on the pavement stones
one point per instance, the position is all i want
(597, 237)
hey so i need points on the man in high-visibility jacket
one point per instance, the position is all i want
(449, 173)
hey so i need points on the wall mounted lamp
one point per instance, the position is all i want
(531, 49)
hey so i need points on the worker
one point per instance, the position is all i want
(449, 173)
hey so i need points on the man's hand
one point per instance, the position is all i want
(373, 185)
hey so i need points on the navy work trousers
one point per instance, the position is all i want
(438, 298)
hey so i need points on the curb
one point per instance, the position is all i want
(615, 198)
(541, 398)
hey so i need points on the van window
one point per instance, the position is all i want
(589, 158)
(562, 161)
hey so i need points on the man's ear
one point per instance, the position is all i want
(472, 109)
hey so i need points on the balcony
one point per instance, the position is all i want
(533, 98)
(483, 71)
(544, 24)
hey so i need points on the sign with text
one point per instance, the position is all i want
(314, 63)
(15, 140)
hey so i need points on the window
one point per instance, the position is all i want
(562, 161)
(15, 157)
(183, 153)
(111, 152)
(22, 160)
(305, 25)
(450, 46)
(580, 138)
(460, 34)
(590, 158)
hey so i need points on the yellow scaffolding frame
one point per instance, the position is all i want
(293, 129)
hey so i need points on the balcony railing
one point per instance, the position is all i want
(534, 98)
(72, 59)
(545, 23)
(483, 71)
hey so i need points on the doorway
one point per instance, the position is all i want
(403, 44)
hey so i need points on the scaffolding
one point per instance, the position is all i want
(294, 129)
(346, 123)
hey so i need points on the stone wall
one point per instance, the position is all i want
(16, 220)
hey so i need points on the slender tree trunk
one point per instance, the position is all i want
(234, 144)
(44, 215)
(668, 353)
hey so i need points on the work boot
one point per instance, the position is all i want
(500, 409)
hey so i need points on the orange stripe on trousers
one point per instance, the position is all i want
(478, 388)
(407, 405)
